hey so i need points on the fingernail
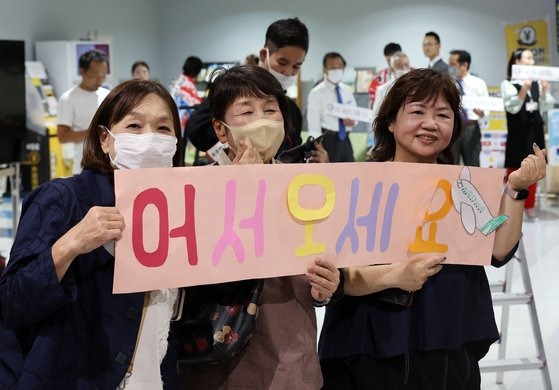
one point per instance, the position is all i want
(535, 145)
(444, 258)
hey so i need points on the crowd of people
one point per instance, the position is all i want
(61, 327)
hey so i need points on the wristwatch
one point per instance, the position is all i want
(516, 195)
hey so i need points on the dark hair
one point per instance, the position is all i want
(245, 80)
(120, 102)
(287, 32)
(392, 48)
(434, 35)
(252, 59)
(192, 66)
(514, 56)
(139, 63)
(415, 86)
(91, 56)
(332, 54)
(463, 57)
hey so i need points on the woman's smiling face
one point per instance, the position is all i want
(422, 130)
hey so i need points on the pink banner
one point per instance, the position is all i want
(213, 224)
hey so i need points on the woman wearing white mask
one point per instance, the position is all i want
(56, 293)
(249, 112)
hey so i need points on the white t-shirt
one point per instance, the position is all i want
(76, 108)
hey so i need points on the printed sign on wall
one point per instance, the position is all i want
(533, 35)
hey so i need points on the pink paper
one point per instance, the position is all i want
(214, 224)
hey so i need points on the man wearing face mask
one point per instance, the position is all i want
(335, 130)
(468, 146)
(283, 54)
(399, 65)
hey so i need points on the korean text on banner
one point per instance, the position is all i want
(213, 224)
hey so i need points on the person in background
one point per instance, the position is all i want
(432, 50)
(56, 293)
(251, 59)
(77, 106)
(285, 48)
(384, 75)
(399, 66)
(281, 353)
(184, 92)
(525, 102)
(140, 70)
(335, 130)
(468, 146)
(370, 340)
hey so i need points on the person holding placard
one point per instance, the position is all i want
(56, 293)
(250, 113)
(468, 145)
(335, 130)
(525, 102)
(381, 336)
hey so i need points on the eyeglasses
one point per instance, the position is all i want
(428, 44)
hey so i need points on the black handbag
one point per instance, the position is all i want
(213, 323)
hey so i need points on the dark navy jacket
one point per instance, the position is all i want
(72, 334)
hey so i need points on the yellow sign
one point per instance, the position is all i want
(533, 35)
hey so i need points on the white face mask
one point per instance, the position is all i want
(266, 136)
(335, 75)
(148, 150)
(400, 72)
(453, 71)
(285, 81)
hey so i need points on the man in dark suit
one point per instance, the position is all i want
(431, 49)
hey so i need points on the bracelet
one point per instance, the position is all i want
(338, 294)
(321, 304)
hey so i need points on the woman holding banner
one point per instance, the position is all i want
(250, 113)
(56, 293)
(525, 101)
(376, 338)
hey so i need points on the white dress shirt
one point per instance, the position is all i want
(512, 102)
(319, 95)
(475, 87)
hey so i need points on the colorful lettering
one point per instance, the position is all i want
(157, 198)
(370, 220)
(256, 222)
(349, 229)
(309, 216)
(388, 214)
(229, 236)
(430, 245)
(188, 230)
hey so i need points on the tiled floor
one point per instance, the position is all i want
(541, 240)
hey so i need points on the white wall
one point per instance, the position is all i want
(133, 25)
(217, 30)
(165, 32)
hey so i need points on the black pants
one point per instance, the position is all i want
(468, 145)
(338, 151)
(416, 370)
